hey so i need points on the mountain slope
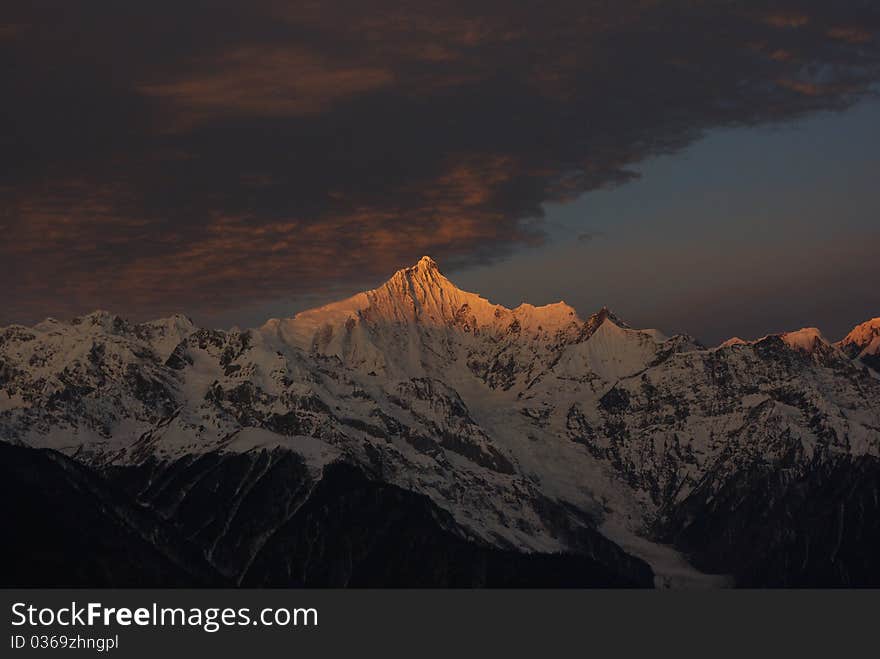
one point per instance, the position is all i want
(68, 527)
(533, 429)
(162, 526)
(796, 524)
(354, 532)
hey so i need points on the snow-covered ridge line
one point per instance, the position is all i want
(513, 420)
(806, 339)
(422, 294)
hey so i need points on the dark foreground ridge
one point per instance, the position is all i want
(68, 525)
(802, 525)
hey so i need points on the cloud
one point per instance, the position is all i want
(789, 19)
(851, 33)
(177, 157)
(254, 81)
(590, 236)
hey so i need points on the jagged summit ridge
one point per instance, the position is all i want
(806, 339)
(421, 295)
(419, 321)
(423, 290)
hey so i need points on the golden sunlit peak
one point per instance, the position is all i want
(426, 262)
(424, 266)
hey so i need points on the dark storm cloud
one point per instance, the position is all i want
(201, 156)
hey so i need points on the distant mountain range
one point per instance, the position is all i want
(419, 435)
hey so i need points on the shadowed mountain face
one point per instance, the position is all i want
(65, 526)
(793, 525)
(233, 524)
(354, 532)
(418, 434)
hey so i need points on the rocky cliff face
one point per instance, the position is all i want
(527, 430)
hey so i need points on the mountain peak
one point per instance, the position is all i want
(863, 341)
(806, 339)
(426, 262)
(425, 270)
(419, 295)
(606, 314)
(863, 334)
(425, 265)
(101, 319)
(597, 319)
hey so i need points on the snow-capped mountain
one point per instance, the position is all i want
(528, 431)
(863, 343)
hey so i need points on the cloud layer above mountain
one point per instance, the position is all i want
(193, 156)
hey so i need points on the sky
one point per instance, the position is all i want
(697, 166)
(745, 233)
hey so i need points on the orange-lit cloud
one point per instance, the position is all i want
(851, 34)
(274, 81)
(810, 88)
